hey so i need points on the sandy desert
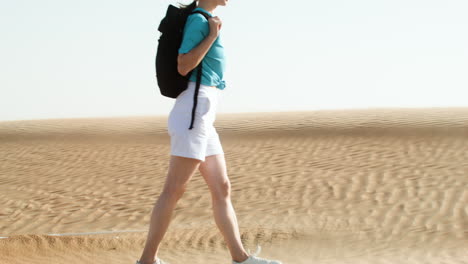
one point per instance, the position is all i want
(380, 185)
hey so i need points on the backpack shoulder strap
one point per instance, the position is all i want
(199, 76)
(201, 12)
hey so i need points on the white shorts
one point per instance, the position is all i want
(203, 139)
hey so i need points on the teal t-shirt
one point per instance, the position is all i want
(196, 29)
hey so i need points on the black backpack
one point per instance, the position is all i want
(170, 82)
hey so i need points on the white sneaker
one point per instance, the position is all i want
(253, 259)
(157, 261)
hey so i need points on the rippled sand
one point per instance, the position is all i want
(344, 186)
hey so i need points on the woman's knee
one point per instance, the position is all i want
(181, 170)
(173, 191)
(222, 190)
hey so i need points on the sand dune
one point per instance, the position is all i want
(342, 186)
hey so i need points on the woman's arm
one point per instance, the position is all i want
(188, 61)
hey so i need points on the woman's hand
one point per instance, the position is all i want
(215, 26)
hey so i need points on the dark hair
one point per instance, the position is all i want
(188, 7)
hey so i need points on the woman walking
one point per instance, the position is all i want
(200, 147)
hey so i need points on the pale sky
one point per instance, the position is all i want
(62, 58)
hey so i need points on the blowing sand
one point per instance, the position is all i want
(354, 186)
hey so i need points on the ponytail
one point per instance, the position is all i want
(189, 7)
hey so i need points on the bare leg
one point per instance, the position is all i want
(214, 172)
(181, 169)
